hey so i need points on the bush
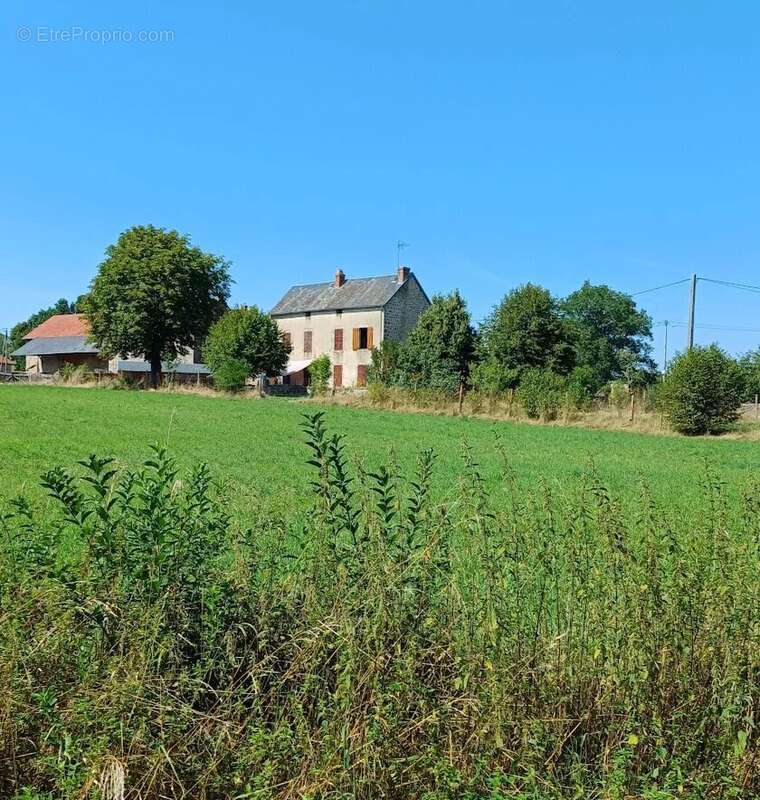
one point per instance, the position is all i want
(231, 375)
(73, 373)
(491, 379)
(384, 363)
(250, 336)
(702, 391)
(520, 641)
(750, 364)
(319, 373)
(619, 394)
(541, 393)
(581, 384)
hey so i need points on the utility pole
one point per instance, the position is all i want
(692, 302)
(665, 359)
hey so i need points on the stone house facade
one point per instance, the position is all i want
(345, 319)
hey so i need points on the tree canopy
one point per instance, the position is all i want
(155, 295)
(248, 335)
(609, 334)
(438, 350)
(526, 331)
(750, 364)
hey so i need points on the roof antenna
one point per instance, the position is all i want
(399, 247)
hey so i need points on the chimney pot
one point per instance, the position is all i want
(403, 274)
(340, 278)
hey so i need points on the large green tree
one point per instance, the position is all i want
(750, 364)
(525, 331)
(439, 349)
(155, 295)
(248, 335)
(610, 334)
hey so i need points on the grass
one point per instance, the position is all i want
(502, 622)
(257, 446)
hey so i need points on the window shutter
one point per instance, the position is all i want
(286, 339)
(307, 341)
(338, 344)
(370, 338)
(337, 376)
(356, 338)
(361, 375)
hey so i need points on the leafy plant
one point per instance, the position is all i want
(231, 375)
(319, 372)
(155, 295)
(702, 391)
(249, 336)
(541, 393)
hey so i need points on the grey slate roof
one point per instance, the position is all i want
(56, 346)
(355, 293)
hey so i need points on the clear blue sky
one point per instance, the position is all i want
(507, 142)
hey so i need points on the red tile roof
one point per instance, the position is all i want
(60, 325)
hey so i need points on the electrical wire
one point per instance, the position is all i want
(748, 287)
(657, 288)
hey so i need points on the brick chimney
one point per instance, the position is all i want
(403, 274)
(340, 278)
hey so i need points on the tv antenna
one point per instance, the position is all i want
(399, 247)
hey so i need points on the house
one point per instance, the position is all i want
(59, 340)
(345, 319)
(63, 339)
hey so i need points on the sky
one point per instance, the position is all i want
(505, 142)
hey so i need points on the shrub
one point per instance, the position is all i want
(750, 364)
(247, 335)
(319, 373)
(619, 394)
(491, 379)
(231, 375)
(702, 391)
(541, 393)
(581, 384)
(384, 362)
(73, 373)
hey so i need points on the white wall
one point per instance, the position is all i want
(322, 324)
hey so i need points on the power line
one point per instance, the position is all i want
(657, 288)
(748, 287)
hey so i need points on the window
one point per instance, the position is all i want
(337, 376)
(307, 342)
(362, 339)
(338, 339)
(361, 375)
(308, 315)
(339, 313)
(287, 339)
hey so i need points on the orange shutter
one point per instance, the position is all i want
(370, 338)
(355, 333)
(361, 375)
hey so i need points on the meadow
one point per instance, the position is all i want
(431, 607)
(257, 446)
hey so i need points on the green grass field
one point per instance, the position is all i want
(532, 633)
(258, 445)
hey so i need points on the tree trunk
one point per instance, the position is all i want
(155, 370)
